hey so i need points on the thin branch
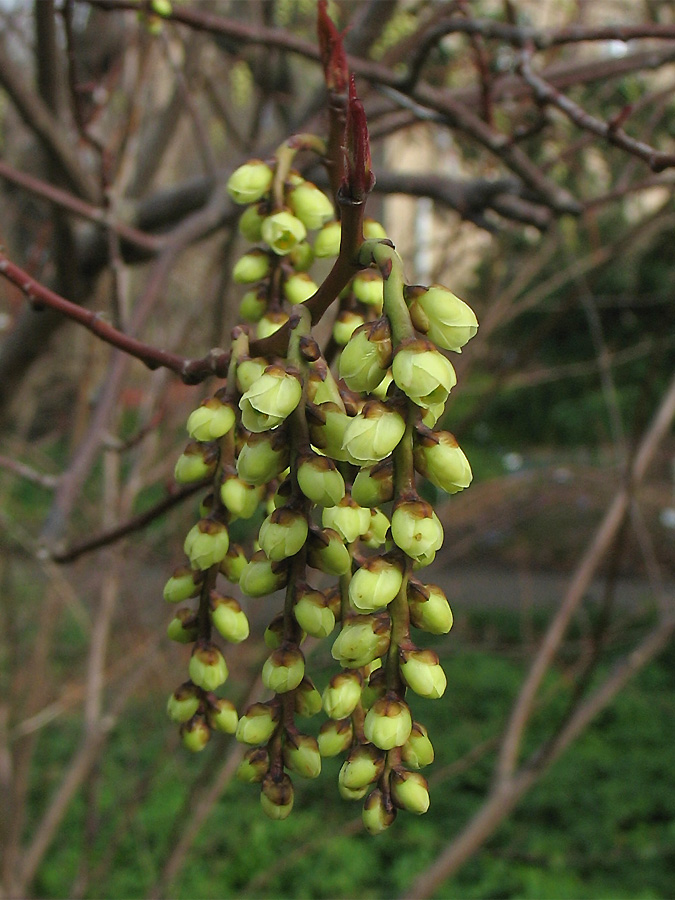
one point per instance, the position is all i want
(28, 472)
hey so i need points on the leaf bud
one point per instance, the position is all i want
(374, 486)
(307, 699)
(262, 576)
(196, 462)
(239, 497)
(234, 563)
(282, 231)
(250, 182)
(417, 751)
(347, 518)
(373, 434)
(327, 241)
(367, 356)
(368, 288)
(423, 373)
(183, 703)
(416, 528)
(342, 694)
(388, 723)
(439, 458)
(251, 267)
(313, 614)
(276, 796)
(283, 670)
(335, 737)
(283, 533)
(326, 552)
(183, 627)
(207, 667)
(299, 287)
(183, 584)
(423, 673)
(221, 714)
(377, 530)
(210, 421)
(258, 724)
(195, 733)
(206, 543)
(261, 458)
(310, 205)
(429, 608)
(363, 766)
(228, 618)
(272, 321)
(254, 766)
(361, 640)
(270, 399)
(319, 480)
(375, 584)
(377, 814)
(346, 323)
(301, 755)
(410, 791)
(328, 424)
(445, 319)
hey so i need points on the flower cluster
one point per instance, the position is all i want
(330, 444)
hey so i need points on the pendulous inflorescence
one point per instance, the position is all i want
(331, 444)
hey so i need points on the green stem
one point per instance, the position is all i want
(285, 154)
(385, 257)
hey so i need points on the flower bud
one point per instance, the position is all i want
(375, 584)
(251, 267)
(228, 618)
(319, 480)
(313, 614)
(301, 256)
(307, 699)
(250, 182)
(327, 241)
(381, 391)
(367, 356)
(346, 323)
(310, 205)
(206, 543)
(376, 687)
(368, 288)
(283, 533)
(433, 414)
(416, 528)
(299, 287)
(196, 462)
(258, 723)
(350, 793)
(328, 424)
(183, 584)
(326, 552)
(239, 497)
(253, 306)
(207, 666)
(234, 563)
(262, 576)
(417, 751)
(282, 231)
(254, 766)
(347, 518)
(249, 370)
(439, 458)
(183, 703)
(373, 434)
(270, 399)
(362, 639)
(423, 560)
(429, 608)
(445, 319)
(276, 796)
(335, 737)
(422, 672)
(271, 322)
(422, 373)
(364, 765)
(183, 627)
(262, 458)
(377, 530)
(377, 815)
(373, 230)
(301, 755)
(250, 222)
(283, 670)
(210, 421)
(374, 486)
(274, 633)
(342, 694)
(410, 791)
(222, 715)
(388, 723)
(195, 733)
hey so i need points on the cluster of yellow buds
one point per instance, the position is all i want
(331, 445)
